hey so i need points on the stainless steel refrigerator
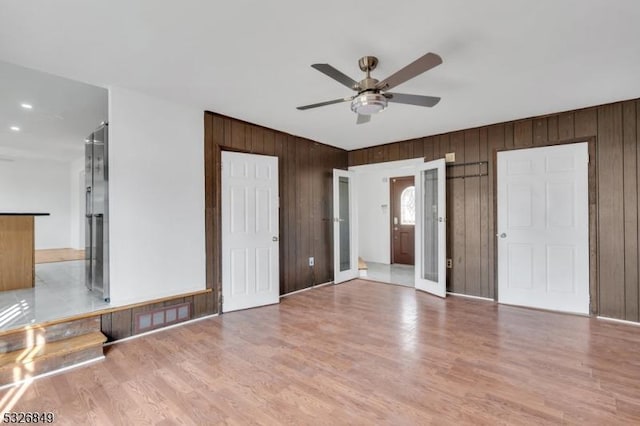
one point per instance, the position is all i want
(97, 209)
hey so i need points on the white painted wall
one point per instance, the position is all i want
(156, 206)
(35, 185)
(374, 208)
(77, 204)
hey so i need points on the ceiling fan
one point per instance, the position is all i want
(372, 96)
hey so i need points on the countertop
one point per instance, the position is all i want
(22, 214)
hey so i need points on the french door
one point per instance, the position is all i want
(430, 228)
(345, 242)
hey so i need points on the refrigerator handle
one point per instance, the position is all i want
(87, 198)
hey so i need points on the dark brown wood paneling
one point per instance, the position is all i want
(523, 133)
(496, 136)
(121, 324)
(552, 128)
(352, 158)
(360, 157)
(237, 135)
(406, 150)
(508, 135)
(585, 123)
(306, 198)
(393, 151)
(610, 210)
(428, 145)
(540, 135)
(613, 132)
(269, 144)
(471, 238)
(484, 216)
(630, 198)
(378, 154)
(456, 219)
(418, 148)
(303, 216)
(565, 126)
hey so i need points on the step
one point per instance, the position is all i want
(29, 336)
(362, 267)
(26, 363)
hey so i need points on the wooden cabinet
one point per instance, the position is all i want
(17, 247)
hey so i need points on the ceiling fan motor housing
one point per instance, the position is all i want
(368, 103)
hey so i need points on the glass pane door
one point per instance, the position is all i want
(344, 228)
(430, 228)
(344, 224)
(430, 217)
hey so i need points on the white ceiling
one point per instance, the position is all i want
(64, 113)
(503, 60)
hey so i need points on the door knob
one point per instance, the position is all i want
(503, 235)
(274, 238)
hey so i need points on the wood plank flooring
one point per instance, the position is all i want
(58, 255)
(360, 353)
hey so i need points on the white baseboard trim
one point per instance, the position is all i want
(618, 321)
(51, 373)
(470, 297)
(307, 289)
(146, 333)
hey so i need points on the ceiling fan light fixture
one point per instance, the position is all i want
(368, 103)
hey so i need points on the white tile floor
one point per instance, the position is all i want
(59, 292)
(393, 274)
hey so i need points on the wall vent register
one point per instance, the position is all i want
(161, 317)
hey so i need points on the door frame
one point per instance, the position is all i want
(593, 211)
(391, 205)
(213, 224)
(221, 230)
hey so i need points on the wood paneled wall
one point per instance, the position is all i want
(470, 209)
(306, 198)
(120, 322)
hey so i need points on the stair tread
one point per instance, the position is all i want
(51, 349)
(361, 264)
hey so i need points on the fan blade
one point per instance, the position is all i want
(335, 101)
(338, 76)
(419, 100)
(417, 67)
(362, 119)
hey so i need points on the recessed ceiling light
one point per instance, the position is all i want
(15, 128)
(26, 106)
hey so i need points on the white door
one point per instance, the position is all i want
(250, 247)
(431, 237)
(345, 249)
(543, 228)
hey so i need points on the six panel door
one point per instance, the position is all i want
(250, 234)
(543, 228)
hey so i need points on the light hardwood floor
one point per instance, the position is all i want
(58, 255)
(360, 353)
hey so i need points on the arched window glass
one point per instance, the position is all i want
(408, 206)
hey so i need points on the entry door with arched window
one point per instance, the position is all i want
(403, 220)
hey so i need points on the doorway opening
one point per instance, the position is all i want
(397, 219)
(44, 200)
